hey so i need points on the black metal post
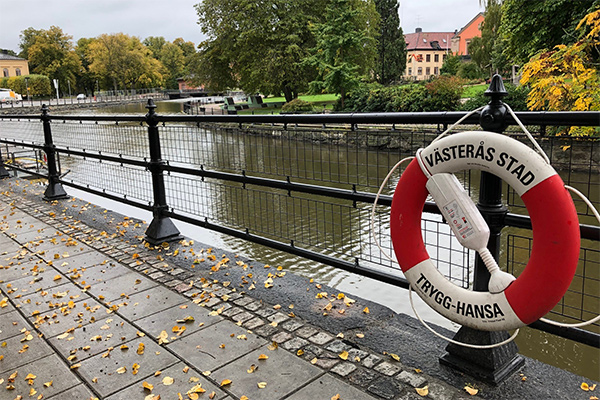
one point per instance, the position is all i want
(55, 190)
(497, 364)
(161, 229)
(3, 172)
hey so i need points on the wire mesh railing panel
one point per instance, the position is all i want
(129, 140)
(125, 181)
(27, 131)
(337, 228)
(582, 300)
(577, 162)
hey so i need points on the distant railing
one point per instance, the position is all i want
(308, 180)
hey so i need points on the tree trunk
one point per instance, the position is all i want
(288, 93)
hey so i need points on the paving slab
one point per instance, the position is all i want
(283, 373)
(18, 257)
(55, 249)
(47, 369)
(19, 222)
(32, 283)
(50, 299)
(84, 276)
(17, 353)
(203, 350)
(72, 316)
(167, 319)
(11, 324)
(149, 302)
(128, 284)
(182, 383)
(82, 260)
(79, 392)
(96, 338)
(326, 387)
(110, 381)
(42, 231)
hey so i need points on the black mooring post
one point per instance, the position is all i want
(55, 190)
(161, 229)
(497, 364)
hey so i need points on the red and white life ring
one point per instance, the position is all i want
(556, 238)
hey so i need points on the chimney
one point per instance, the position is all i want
(418, 30)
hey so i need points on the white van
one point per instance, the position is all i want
(8, 96)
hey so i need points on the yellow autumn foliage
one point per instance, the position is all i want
(566, 77)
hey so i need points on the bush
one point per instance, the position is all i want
(470, 70)
(443, 94)
(297, 106)
(516, 98)
(39, 85)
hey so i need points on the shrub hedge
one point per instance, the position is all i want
(39, 85)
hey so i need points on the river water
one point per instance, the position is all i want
(563, 353)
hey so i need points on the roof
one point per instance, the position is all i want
(469, 23)
(4, 56)
(427, 40)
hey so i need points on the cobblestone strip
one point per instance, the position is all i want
(380, 375)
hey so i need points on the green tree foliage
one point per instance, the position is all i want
(86, 81)
(50, 52)
(122, 61)
(485, 50)
(530, 26)
(189, 51)
(173, 60)
(345, 44)
(451, 65)
(391, 47)
(256, 46)
(516, 98)
(155, 44)
(9, 52)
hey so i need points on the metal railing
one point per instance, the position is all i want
(308, 180)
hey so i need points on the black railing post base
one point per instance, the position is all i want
(3, 172)
(55, 191)
(489, 365)
(162, 229)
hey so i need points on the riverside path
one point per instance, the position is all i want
(87, 311)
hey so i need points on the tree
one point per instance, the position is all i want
(120, 60)
(173, 60)
(566, 77)
(9, 52)
(484, 50)
(155, 44)
(256, 46)
(344, 50)
(530, 26)
(391, 47)
(85, 79)
(451, 65)
(50, 52)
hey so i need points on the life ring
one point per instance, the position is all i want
(556, 238)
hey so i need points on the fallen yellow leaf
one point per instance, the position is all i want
(167, 381)
(48, 384)
(585, 386)
(395, 356)
(147, 386)
(472, 391)
(424, 391)
(121, 370)
(263, 357)
(336, 397)
(343, 355)
(225, 382)
(30, 376)
(140, 349)
(366, 310)
(261, 385)
(252, 368)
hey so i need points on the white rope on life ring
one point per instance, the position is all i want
(555, 225)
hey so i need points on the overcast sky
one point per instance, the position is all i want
(177, 18)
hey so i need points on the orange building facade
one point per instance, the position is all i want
(462, 38)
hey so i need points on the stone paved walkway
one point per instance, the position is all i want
(85, 314)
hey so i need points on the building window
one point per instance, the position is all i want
(419, 71)
(427, 71)
(409, 71)
(436, 58)
(436, 71)
(5, 71)
(428, 57)
(420, 58)
(18, 72)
